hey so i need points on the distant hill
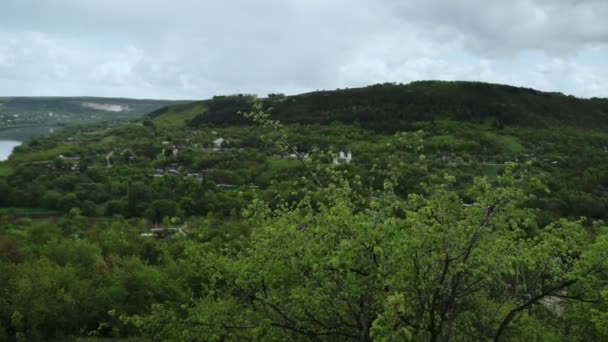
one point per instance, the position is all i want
(31, 111)
(390, 107)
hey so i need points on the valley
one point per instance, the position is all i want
(27, 112)
(238, 209)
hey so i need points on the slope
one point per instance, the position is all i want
(391, 107)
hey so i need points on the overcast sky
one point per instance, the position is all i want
(190, 49)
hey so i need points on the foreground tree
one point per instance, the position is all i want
(445, 264)
(427, 268)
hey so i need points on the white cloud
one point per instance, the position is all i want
(195, 49)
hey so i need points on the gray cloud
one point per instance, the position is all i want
(497, 27)
(195, 49)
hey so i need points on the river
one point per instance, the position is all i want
(12, 137)
(6, 148)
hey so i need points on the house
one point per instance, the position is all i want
(298, 155)
(164, 233)
(219, 142)
(76, 157)
(343, 157)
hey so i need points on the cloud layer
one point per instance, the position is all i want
(196, 49)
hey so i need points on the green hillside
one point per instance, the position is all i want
(434, 211)
(178, 115)
(390, 107)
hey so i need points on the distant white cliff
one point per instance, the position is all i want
(106, 107)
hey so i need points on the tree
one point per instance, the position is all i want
(51, 199)
(6, 190)
(163, 208)
(116, 207)
(427, 268)
(351, 263)
(138, 194)
(68, 202)
(430, 267)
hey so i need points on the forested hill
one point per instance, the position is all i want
(27, 111)
(389, 107)
(188, 226)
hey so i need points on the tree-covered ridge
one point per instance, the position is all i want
(390, 107)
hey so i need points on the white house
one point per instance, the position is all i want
(219, 142)
(343, 157)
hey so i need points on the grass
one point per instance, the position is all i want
(177, 117)
(449, 142)
(509, 144)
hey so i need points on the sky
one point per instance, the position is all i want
(194, 49)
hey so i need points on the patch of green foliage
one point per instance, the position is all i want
(6, 170)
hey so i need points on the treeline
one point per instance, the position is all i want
(391, 107)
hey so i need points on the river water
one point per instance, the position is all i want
(6, 148)
(12, 137)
